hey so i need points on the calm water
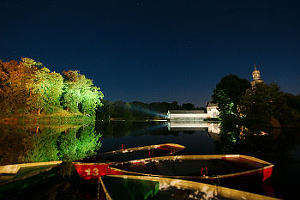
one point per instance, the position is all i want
(283, 149)
(42, 143)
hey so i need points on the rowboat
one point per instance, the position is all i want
(199, 167)
(14, 168)
(88, 170)
(15, 178)
(238, 168)
(126, 154)
(145, 187)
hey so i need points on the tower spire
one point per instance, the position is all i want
(256, 76)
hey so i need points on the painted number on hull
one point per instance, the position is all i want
(93, 172)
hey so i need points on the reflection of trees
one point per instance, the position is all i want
(78, 144)
(43, 146)
(272, 147)
(22, 144)
(13, 144)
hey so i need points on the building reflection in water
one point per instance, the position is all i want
(212, 128)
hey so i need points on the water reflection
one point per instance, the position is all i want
(69, 142)
(194, 126)
(21, 144)
(281, 147)
(132, 134)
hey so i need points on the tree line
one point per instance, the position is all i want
(248, 110)
(28, 87)
(137, 110)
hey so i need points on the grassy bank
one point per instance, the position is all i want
(62, 117)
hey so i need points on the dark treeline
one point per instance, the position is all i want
(140, 111)
(28, 87)
(257, 113)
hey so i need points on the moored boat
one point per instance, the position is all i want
(126, 154)
(15, 178)
(93, 170)
(199, 167)
(14, 168)
(145, 187)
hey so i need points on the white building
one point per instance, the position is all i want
(187, 115)
(212, 110)
(194, 115)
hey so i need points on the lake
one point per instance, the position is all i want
(42, 143)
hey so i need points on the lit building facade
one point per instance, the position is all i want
(194, 115)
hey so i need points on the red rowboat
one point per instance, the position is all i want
(101, 168)
(199, 167)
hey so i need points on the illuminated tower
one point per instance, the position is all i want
(256, 77)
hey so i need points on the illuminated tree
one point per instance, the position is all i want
(29, 87)
(13, 92)
(45, 91)
(30, 63)
(227, 94)
(80, 94)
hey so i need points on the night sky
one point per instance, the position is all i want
(157, 50)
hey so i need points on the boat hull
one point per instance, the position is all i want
(95, 170)
(166, 188)
(226, 168)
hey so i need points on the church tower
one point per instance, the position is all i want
(256, 77)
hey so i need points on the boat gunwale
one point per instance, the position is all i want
(26, 176)
(15, 168)
(107, 195)
(148, 147)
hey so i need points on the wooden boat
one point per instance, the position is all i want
(199, 167)
(134, 153)
(145, 187)
(101, 167)
(14, 169)
(239, 168)
(15, 178)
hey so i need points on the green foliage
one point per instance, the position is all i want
(45, 91)
(263, 105)
(78, 144)
(233, 86)
(80, 94)
(248, 111)
(30, 87)
(227, 95)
